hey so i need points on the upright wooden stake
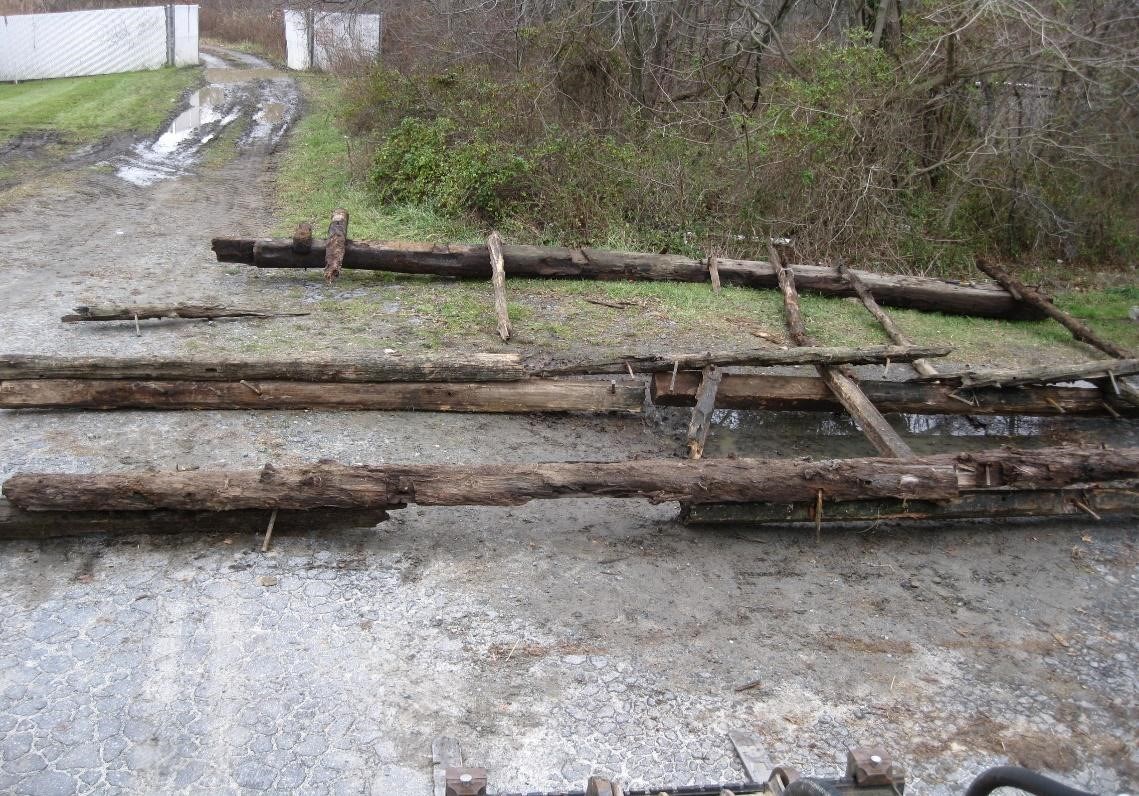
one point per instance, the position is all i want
(714, 273)
(874, 426)
(498, 279)
(302, 238)
(1040, 301)
(891, 329)
(336, 245)
(701, 420)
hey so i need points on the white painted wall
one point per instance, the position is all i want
(75, 43)
(335, 35)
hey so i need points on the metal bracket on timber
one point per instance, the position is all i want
(473, 262)
(845, 388)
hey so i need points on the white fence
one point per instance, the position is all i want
(318, 39)
(97, 42)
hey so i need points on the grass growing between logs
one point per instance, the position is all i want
(84, 109)
(316, 175)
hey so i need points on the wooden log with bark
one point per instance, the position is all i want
(302, 238)
(1091, 502)
(335, 246)
(1035, 298)
(881, 435)
(19, 524)
(892, 331)
(498, 282)
(331, 485)
(147, 311)
(473, 262)
(810, 394)
(529, 395)
(705, 404)
(1044, 374)
(376, 368)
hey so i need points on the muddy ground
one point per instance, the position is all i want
(554, 639)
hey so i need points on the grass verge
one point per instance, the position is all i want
(315, 177)
(84, 109)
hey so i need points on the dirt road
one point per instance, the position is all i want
(555, 639)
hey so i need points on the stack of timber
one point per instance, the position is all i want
(938, 479)
(483, 382)
(474, 261)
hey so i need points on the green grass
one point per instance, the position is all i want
(314, 178)
(85, 109)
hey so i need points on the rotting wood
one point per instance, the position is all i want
(810, 394)
(714, 273)
(473, 261)
(302, 238)
(881, 435)
(758, 357)
(336, 245)
(1105, 499)
(332, 485)
(701, 421)
(887, 323)
(429, 367)
(18, 524)
(1046, 374)
(376, 368)
(498, 281)
(529, 395)
(1035, 298)
(188, 311)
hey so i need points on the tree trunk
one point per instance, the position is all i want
(881, 435)
(529, 395)
(887, 323)
(1044, 304)
(331, 485)
(473, 262)
(809, 394)
(194, 311)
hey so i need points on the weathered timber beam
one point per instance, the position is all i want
(841, 382)
(1047, 374)
(473, 261)
(529, 395)
(188, 311)
(445, 367)
(1087, 502)
(1036, 298)
(810, 394)
(702, 409)
(759, 357)
(880, 315)
(18, 524)
(331, 485)
(498, 284)
(335, 245)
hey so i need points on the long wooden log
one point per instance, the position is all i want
(759, 357)
(886, 322)
(498, 283)
(530, 395)
(880, 433)
(1035, 298)
(435, 367)
(332, 485)
(189, 311)
(1087, 502)
(335, 245)
(810, 394)
(1046, 374)
(473, 262)
(702, 409)
(18, 524)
